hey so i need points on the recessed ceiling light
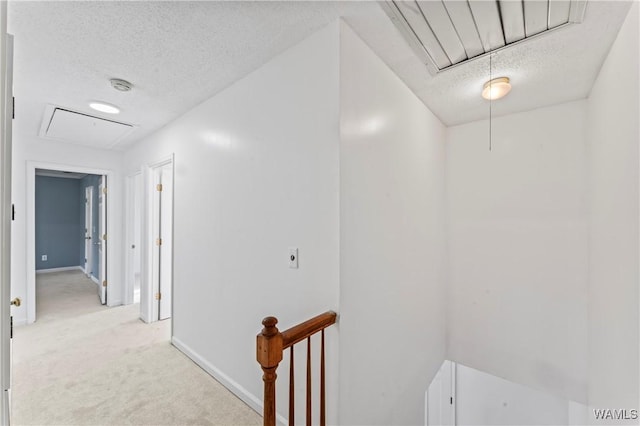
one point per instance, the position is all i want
(105, 107)
(496, 88)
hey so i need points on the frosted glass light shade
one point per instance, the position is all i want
(496, 88)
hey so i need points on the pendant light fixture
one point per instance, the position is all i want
(490, 99)
(496, 88)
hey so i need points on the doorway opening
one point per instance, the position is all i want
(162, 254)
(156, 237)
(70, 232)
(67, 227)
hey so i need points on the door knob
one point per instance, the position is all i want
(16, 302)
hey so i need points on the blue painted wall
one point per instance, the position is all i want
(91, 180)
(59, 223)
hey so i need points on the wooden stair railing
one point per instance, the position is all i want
(270, 345)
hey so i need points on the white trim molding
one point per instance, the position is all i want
(61, 269)
(247, 397)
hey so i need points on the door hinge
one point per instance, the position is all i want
(451, 400)
(13, 212)
(158, 296)
(13, 108)
(11, 328)
(158, 241)
(104, 237)
(159, 187)
(104, 283)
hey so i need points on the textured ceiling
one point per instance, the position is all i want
(556, 67)
(177, 54)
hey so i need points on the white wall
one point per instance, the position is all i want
(256, 172)
(484, 399)
(392, 297)
(30, 149)
(518, 248)
(613, 116)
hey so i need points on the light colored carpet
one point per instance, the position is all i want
(84, 364)
(64, 295)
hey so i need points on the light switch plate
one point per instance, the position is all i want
(293, 258)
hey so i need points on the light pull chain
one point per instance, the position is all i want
(490, 98)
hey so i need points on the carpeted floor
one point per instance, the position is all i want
(84, 364)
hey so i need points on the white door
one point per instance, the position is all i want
(88, 227)
(162, 226)
(134, 231)
(6, 212)
(102, 243)
(441, 397)
(137, 236)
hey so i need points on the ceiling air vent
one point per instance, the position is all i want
(446, 33)
(84, 129)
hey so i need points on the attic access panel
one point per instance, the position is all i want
(75, 127)
(446, 33)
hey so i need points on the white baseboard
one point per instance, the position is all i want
(94, 279)
(146, 320)
(64, 268)
(247, 397)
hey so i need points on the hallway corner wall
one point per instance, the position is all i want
(256, 172)
(614, 296)
(517, 241)
(392, 242)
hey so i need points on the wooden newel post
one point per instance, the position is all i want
(269, 355)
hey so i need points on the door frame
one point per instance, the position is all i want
(163, 254)
(30, 296)
(147, 312)
(6, 211)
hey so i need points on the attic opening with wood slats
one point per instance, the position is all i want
(450, 32)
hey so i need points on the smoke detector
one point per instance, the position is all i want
(121, 85)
